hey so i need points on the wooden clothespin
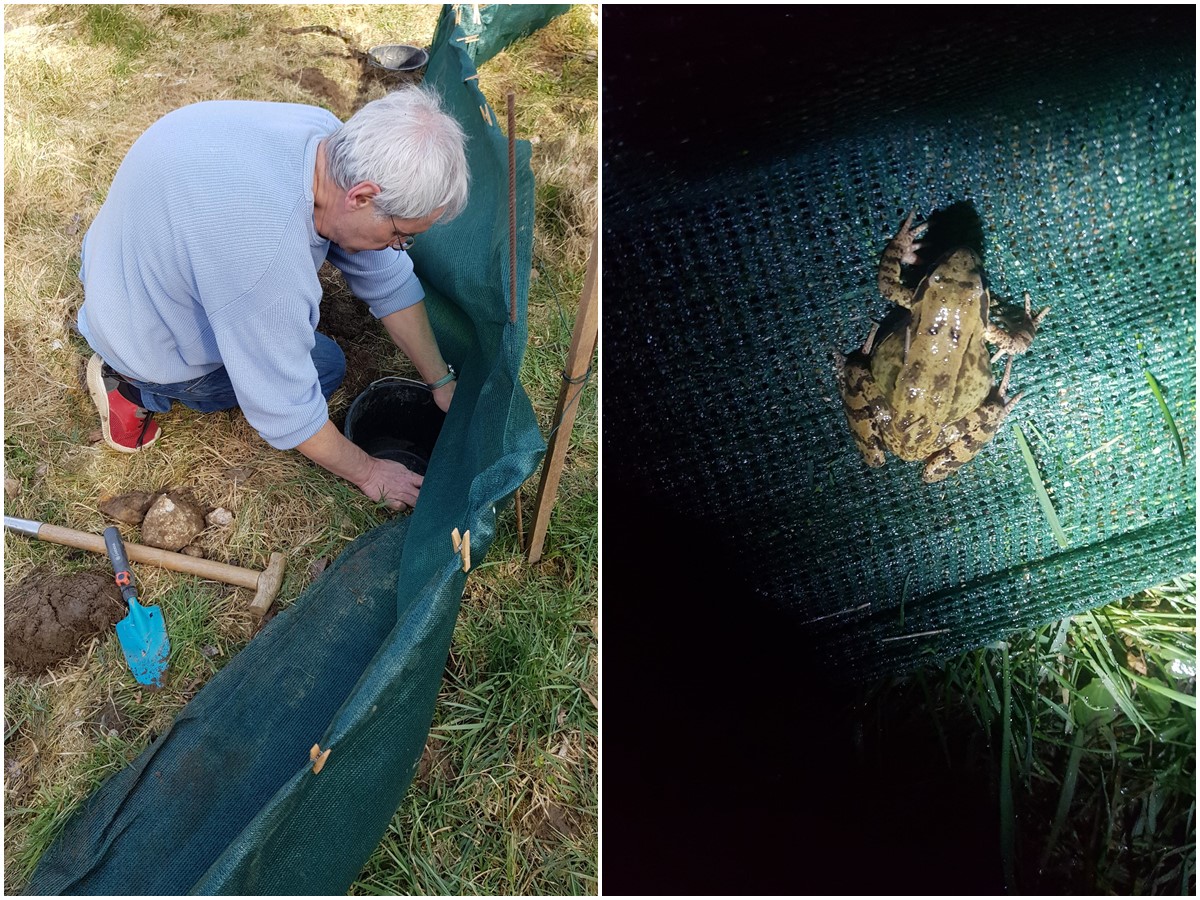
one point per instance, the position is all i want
(318, 758)
(462, 544)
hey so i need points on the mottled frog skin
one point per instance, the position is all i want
(923, 388)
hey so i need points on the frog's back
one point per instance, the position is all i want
(929, 392)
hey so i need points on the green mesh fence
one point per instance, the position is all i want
(486, 29)
(225, 801)
(750, 188)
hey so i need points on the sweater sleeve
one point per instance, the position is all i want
(383, 279)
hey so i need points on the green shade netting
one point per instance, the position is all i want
(749, 189)
(486, 29)
(225, 800)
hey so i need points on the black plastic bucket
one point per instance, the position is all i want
(396, 419)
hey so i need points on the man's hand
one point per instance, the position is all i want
(392, 483)
(380, 479)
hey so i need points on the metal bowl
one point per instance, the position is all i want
(397, 57)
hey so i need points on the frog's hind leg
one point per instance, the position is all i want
(862, 402)
(975, 429)
(900, 250)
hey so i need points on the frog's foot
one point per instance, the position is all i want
(901, 250)
(1017, 340)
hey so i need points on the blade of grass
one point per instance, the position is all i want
(1065, 796)
(1160, 688)
(1162, 404)
(1006, 796)
(1040, 488)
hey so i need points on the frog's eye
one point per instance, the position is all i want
(936, 277)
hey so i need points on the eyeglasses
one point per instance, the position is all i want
(403, 241)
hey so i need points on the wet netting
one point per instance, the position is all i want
(749, 191)
(227, 800)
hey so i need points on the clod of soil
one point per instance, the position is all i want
(128, 508)
(557, 820)
(172, 522)
(48, 617)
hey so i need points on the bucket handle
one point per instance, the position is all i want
(397, 379)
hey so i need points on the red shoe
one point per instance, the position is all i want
(127, 426)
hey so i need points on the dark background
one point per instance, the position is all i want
(731, 766)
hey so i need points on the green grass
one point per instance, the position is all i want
(509, 800)
(1088, 728)
(114, 26)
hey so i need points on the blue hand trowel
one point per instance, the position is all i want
(143, 633)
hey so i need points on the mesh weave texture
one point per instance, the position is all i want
(744, 216)
(225, 801)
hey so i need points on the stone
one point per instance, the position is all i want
(172, 522)
(128, 508)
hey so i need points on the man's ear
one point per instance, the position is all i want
(362, 194)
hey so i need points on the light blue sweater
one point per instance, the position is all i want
(205, 254)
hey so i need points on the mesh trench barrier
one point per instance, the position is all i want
(750, 189)
(488, 29)
(225, 800)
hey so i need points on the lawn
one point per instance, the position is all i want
(509, 807)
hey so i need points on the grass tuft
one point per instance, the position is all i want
(1090, 736)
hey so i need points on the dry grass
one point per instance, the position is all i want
(81, 83)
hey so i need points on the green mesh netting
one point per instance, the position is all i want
(225, 800)
(751, 183)
(486, 29)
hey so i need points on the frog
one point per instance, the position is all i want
(921, 385)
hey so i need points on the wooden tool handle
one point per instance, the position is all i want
(176, 562)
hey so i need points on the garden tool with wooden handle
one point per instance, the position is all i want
(266, 583)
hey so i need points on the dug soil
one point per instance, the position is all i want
(48, 618)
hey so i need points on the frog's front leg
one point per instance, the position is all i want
(1018, 337)
(900, 250)
(974, 430)
(864, 404)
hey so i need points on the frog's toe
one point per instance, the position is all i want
(913, 230)
(910, 257)
(870, 446)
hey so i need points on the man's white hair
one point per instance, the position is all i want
(408, 145)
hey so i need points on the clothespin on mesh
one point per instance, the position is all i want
(462, 544)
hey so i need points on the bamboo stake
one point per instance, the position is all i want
(579, 358)
(512, 259)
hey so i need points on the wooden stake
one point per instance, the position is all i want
(579, 358)
(512, 256)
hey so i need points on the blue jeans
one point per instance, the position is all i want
(214, 391)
